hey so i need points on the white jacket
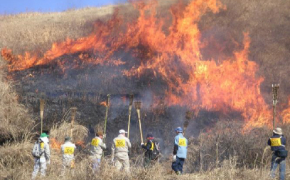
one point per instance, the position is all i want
(121, 144)
(68, 149)
(97, 146)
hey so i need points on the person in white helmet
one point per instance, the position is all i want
(278, 143)
(120, 149)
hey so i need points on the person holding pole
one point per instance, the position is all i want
(278, 143)
(97, 146)
(179, 151)
(120, 149)
(152, 150)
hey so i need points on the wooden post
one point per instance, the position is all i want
(130, 109)
(107, 112)
(138, 107)
(73, 114)
(41, 114)
(275, 88)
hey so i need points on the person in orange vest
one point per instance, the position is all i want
(96, 151)
(278, 143)
(68, 150)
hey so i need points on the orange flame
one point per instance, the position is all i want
(80, 143)
(286, 113)
(104, 103)
(55, 144)
(175, 55)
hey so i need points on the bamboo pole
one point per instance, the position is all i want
(107, 112)
(130, 109)
(41, 114)
(73, 115)
(275, 88)
(138, 107)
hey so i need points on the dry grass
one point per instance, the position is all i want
(16, 161)
(15, 122)
(31, 31)
(37, 31)
(157, 172)
(59, 132)
(13, 157)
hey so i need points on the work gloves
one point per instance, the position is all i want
(173, 158)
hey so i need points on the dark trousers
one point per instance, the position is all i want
(147, 162)
(178, 164)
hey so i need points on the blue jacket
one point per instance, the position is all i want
(180, 146)
(277, 142)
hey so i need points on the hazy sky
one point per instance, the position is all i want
(19, 6)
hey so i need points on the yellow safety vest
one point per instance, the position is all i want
(95, 142)
(276, 142)
(152, 146)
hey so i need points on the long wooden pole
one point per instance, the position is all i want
(107, 112)
(275, 88)
(138, 107)
(73, 115)
(41, 114)
(130, 110)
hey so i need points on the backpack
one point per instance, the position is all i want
(281, 153)
(155, 151)
(36, 151)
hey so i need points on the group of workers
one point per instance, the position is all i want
(121, 145)
(120, 148)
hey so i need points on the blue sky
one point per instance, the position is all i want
(20, 6)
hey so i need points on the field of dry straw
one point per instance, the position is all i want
(221, 154)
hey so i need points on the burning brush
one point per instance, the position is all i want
(138, 107)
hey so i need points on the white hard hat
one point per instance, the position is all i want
(122, 131)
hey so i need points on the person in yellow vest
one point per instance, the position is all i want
(41, 154)
(278, 143)
(179, 151)
(152, 151)
(96, 151)
(68, 150)
(120, 149)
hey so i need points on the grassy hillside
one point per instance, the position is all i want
(31, 31)
(266, 22)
